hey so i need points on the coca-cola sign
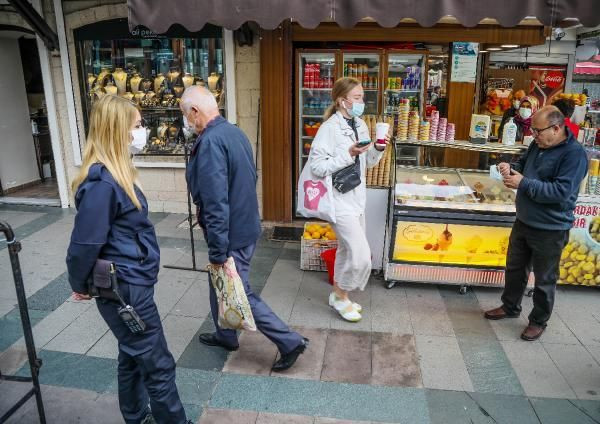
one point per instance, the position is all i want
(554, 79)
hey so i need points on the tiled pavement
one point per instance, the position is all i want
(421, 354)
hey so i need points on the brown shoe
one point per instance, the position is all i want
(498, 313)
(532, 332)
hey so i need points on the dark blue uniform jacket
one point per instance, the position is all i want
(222, 179)
(109, 226)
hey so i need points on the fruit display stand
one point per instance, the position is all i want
(580, 260)
(317, 238)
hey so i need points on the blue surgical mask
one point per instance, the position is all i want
(356, 110)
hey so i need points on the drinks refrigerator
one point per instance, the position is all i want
(387, 77)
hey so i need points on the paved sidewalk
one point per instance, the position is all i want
(421, 354)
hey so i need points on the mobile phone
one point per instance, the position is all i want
(363, 143)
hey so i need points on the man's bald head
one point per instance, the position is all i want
(199, 107)
(548, 127)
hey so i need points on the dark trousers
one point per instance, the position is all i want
(541, 249)
(146, 370)
(266, 321)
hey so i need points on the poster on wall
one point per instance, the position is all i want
(464, 62)
(498, 95)
(580, 263)
(547, 82)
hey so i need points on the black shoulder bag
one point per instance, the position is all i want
(348, 178)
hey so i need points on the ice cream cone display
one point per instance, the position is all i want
(413, 126)
(450, 132)
(434, 125)
(379, 175)
(594, 171)
(424, 131)
(403, 119)
(441, 135)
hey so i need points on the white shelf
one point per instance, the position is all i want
(593, 111)
(313, 116)
(393, 90)
(315, 89)
(307, 137)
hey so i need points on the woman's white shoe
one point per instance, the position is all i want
(333, 297)
(345, 308)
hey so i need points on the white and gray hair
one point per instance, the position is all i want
(199, 97)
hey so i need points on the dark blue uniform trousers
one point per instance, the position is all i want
(266, 321)
(146, 370)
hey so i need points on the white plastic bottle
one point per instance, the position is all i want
(509, 134)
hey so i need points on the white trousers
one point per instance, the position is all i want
(353, 256)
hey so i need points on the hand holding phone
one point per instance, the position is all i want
(363, 143)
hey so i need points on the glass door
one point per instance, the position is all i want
(365, 67)
(404, 80)
(316, 75)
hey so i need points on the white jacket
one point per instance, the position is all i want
(330, 153)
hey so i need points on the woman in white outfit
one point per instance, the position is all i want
(336, 147)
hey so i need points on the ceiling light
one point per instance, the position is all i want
(494, 49)
(510, 46)
(483, 51)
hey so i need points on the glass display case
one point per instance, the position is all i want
(316, 75)
(365, 67)
(152, 71)
(404, 79)
(442, 188)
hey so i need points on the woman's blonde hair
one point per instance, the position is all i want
(108, 143)
(341, 88)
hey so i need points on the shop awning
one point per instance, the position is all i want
(588, 68)
(159, 15)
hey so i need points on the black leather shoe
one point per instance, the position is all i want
(289, 359)
(209, 339)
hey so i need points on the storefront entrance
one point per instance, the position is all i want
(27, 170)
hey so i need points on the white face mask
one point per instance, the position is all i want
(139, 140)
(525, 112)
(186, 124)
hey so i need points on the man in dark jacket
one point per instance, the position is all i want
(222, 179)
(547, 180)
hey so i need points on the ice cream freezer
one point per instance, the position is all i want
(448, 226)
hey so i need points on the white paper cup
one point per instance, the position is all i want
(381, 129)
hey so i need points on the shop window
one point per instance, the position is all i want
(152, 70)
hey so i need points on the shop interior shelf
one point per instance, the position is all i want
(313, 116)
(160, 109)
(593, 111)
(315, 89)
(394, 90)
(307, 137)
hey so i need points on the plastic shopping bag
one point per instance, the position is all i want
(315, 195)
(234, 309)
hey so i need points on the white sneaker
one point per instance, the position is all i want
(345, 308)
(333, 297)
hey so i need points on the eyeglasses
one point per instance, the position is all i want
(536, 131)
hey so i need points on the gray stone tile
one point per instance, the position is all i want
(55, 322)
(394, 361)
(255, 355)
(442, 364)
(13, 359)
(51, 296)
(538, 375)
(347, 357)
(560, 411)
(195, 387)
(266, 418)
(199, 356)
(81, 335)
(311, 308)
(75, 371)
(578, 367)
(11, 328)
(16, 219)
(70, 406)
(582, 323)
(486, 361)
(195, 301)
(106, 347)
(305, 397)
(390, 310)
(427, 311)
(179, 332)
(169, 291)
(222, 416)
(504, 409)
(310, 363)
(321, 420)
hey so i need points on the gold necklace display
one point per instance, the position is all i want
(188, 80)
(134, 83)
(173, 74)
(120, 77)
(158, 82)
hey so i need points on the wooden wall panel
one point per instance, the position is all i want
(460, 109)
(275, 122)
(441, 33)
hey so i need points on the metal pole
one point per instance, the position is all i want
(14, 247)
